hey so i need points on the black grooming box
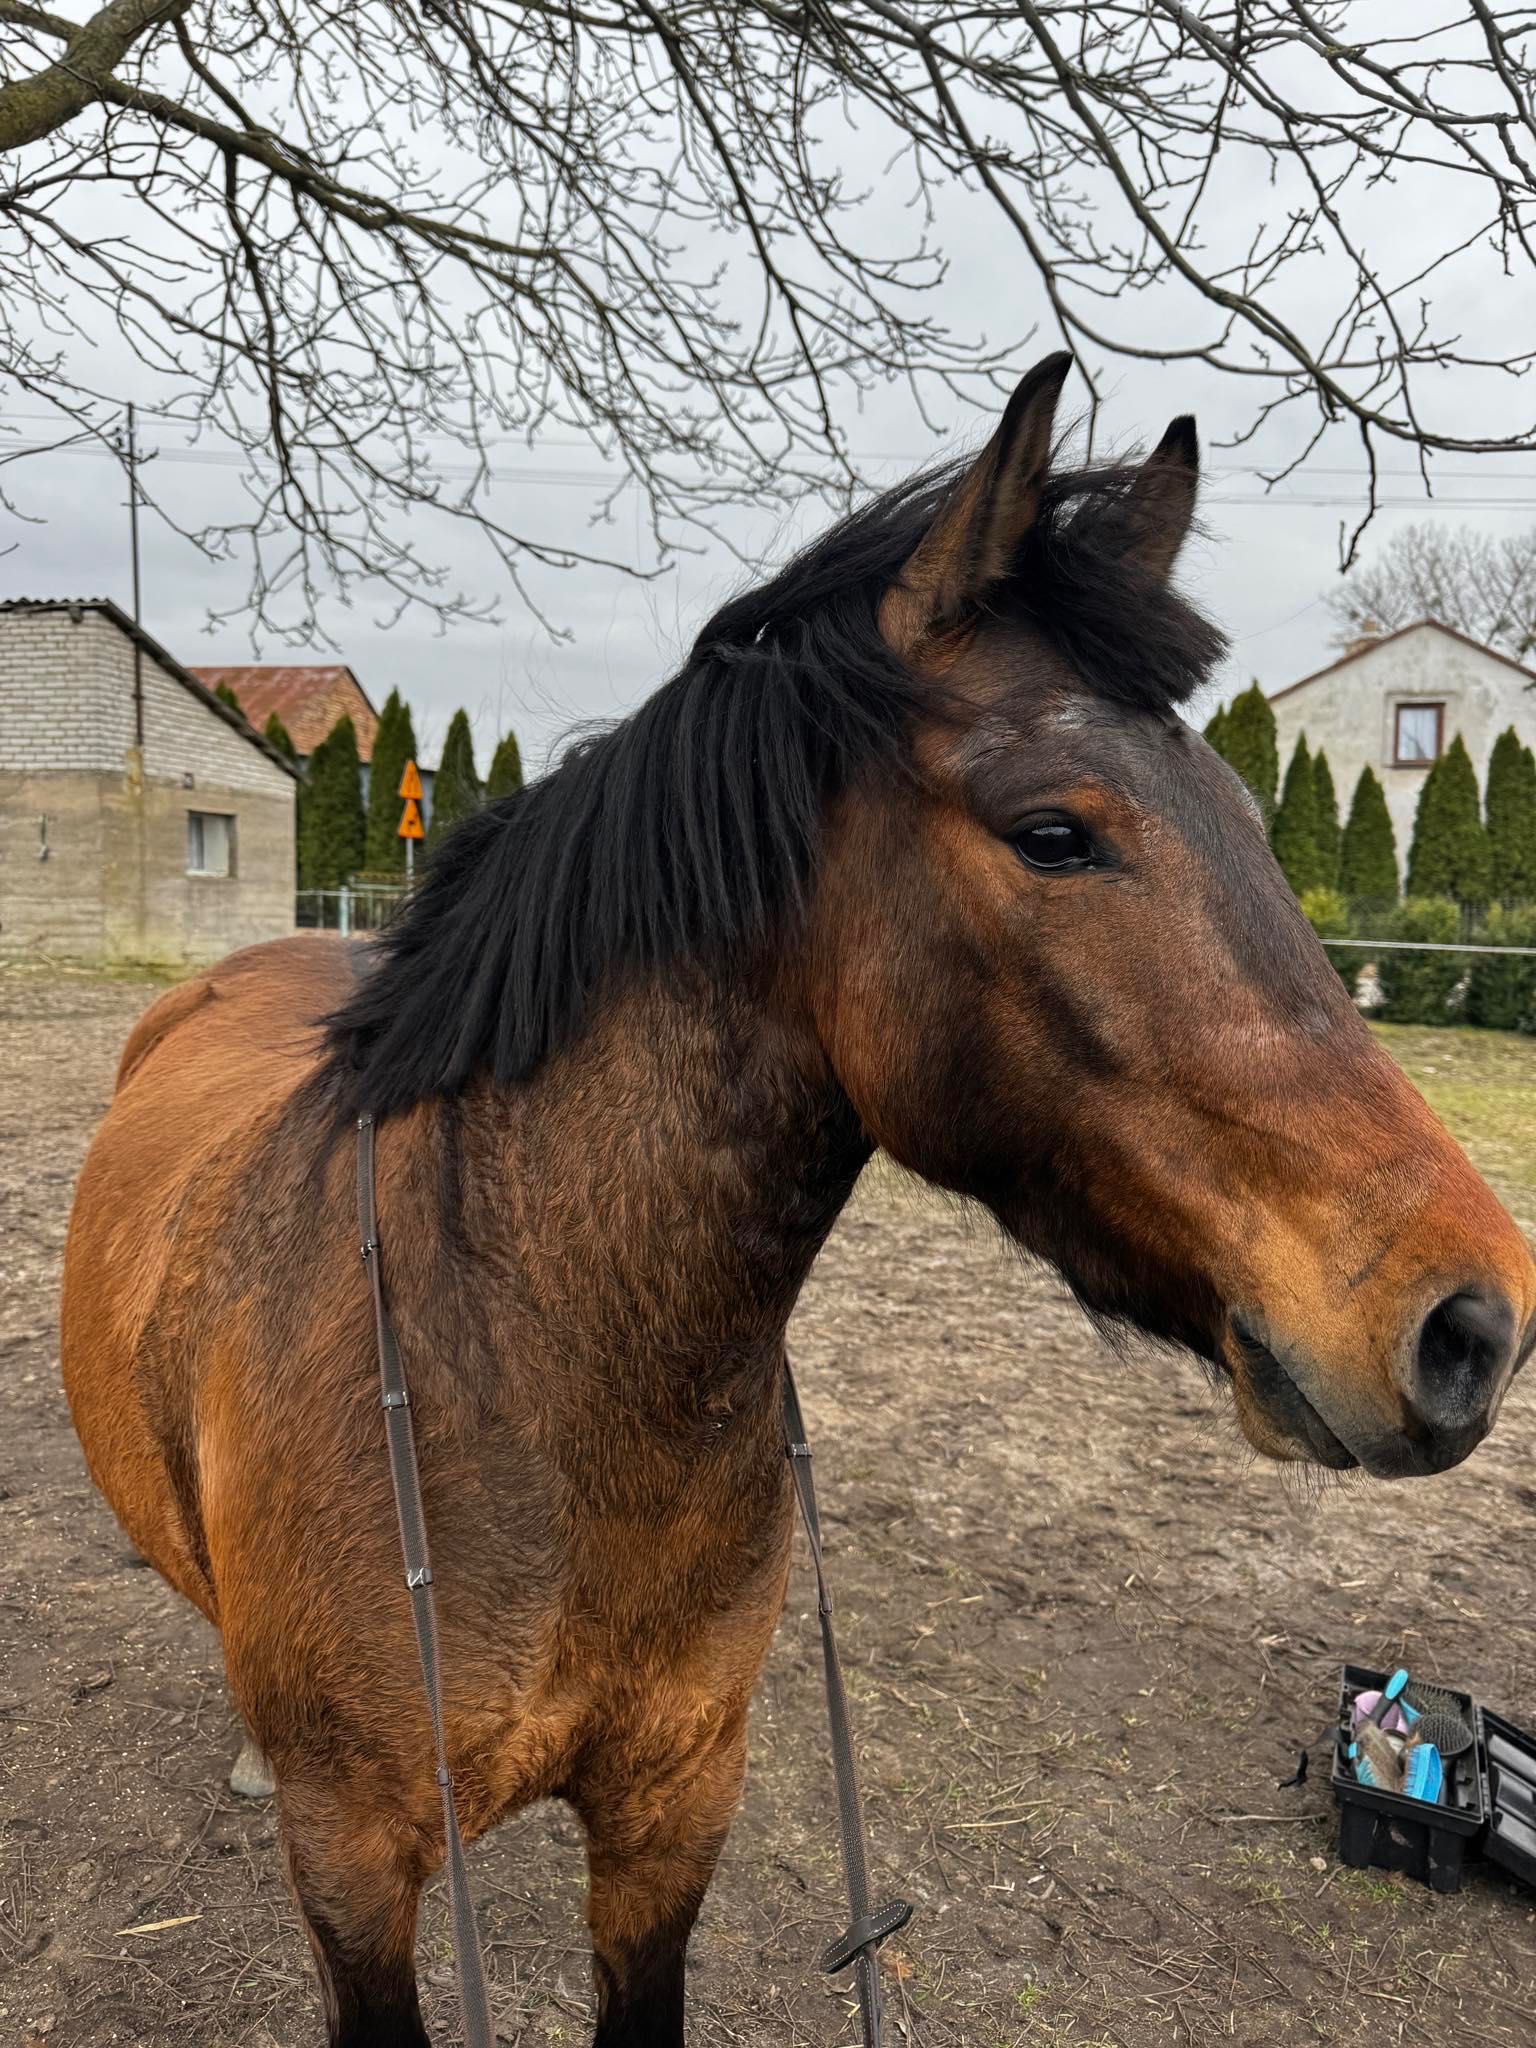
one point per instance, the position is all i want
(1488, 1807)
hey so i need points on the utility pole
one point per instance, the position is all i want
(133, 780)
(133, 546)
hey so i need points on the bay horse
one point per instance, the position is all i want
(913, 852)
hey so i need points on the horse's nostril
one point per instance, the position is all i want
(1465, 1344)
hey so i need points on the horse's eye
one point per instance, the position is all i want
(1054, 843)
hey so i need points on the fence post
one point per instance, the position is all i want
(344, 912)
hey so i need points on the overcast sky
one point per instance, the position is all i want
(1261, 568)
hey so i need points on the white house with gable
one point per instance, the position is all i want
(1395, 701)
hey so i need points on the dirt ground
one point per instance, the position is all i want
(1085, 1636)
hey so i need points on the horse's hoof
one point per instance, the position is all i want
(252, 1775)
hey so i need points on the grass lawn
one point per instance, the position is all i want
(1482, 1084)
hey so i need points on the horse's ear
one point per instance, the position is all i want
(1161, 503)
(971, 546)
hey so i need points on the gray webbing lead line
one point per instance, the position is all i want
(860, 1942)
(396, 1402)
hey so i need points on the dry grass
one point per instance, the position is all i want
(1482, 1084)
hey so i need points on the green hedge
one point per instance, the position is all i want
(1433, 988)
(1422, 988)
(1501, 994)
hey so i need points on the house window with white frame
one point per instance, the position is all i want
(1417, 734)
(210, 843)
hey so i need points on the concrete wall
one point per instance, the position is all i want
(115, 885)
(1350, 713)
(50, 909)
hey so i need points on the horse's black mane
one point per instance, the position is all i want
(684, 832)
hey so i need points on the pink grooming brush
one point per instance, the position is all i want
(1394, 1721)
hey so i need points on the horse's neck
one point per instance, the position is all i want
(670, 1180)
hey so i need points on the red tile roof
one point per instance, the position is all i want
(307, 697)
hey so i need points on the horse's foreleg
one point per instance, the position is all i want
(358, 1884)
(652, 1849)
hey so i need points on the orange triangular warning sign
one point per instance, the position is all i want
(410, 784)
(410, 821)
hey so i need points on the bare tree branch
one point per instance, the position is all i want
(1484, 586)
(32, 107)
(363, 247)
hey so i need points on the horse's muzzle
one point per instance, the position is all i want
(1422, 1414)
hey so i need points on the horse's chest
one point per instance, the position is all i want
(691, 1543)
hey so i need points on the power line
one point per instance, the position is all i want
(233, 457)
(615, 479)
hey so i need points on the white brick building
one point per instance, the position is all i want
(140, 818)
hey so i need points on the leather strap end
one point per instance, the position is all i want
(866, 1933)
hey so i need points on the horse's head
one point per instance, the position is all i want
(1059, 971)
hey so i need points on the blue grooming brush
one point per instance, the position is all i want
(1424, 1774)
(1386, 1699)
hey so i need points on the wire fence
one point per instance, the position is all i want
(1431, 961)
(1484, 976)
(360, 907)
(1428, 946)
(368, 907)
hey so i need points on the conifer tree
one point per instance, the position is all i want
(1293, 834)
(1510, 810)
(455, 787)
(394, 743)
(1216, 731)
(332, 828)
(1326, 823)
(1368, 848)
(276, 734)
(1449, 856)
(226, 695)
(506, 776)
(1250, 745)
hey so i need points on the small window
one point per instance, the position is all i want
(210, 843)
(1416, 734)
